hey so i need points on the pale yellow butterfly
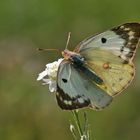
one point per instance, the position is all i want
(99, 68)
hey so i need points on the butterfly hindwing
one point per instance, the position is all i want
(110, 54)
(75, 90)
(115, 74)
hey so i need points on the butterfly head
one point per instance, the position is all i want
(67, 54)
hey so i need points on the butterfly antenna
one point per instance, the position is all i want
(67, 43)
(41, 49)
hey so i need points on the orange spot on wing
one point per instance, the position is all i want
(106, 65)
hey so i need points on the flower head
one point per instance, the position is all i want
(49, 75)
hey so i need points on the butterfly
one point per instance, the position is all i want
(98, 69)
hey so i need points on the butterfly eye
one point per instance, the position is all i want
(103, 40)
(64, 80)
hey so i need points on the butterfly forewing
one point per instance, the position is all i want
(110, 55)
(75, 90)
(121, 41)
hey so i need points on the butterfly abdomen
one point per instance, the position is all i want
(79, 63)
(77, 60)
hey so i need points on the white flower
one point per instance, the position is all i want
(49, 75)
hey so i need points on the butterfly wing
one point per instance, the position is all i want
(110, 56)
(75, 90)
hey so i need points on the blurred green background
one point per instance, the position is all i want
(27, 110)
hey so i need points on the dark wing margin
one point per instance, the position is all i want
(68, 103)
(130, 32)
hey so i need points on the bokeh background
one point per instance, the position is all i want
(27, 109)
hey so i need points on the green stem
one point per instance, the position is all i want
(76, 117)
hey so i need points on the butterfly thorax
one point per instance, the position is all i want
(75, 58)
(79, 63)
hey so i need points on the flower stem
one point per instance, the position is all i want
(77, 121)
(80, 131)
